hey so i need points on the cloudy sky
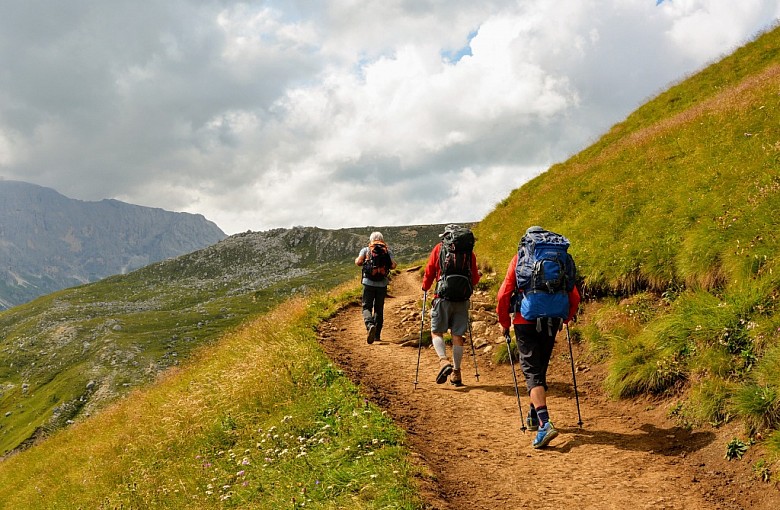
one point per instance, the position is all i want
(334, 113)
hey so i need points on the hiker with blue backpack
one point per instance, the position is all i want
(538, 296)
(376, 261)
(452, 265)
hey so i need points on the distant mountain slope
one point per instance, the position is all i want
(49, 242)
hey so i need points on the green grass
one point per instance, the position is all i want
(673, 220)
(121, 332)
(260, 419)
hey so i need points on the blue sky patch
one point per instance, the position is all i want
(454, 55)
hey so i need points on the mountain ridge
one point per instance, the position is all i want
(49, 242)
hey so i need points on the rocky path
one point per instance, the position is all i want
(470, 443)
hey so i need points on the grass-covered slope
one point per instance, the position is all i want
(674, 213)
(65, 355)
(261, 419)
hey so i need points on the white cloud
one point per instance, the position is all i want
(334, 113)
(705, 29)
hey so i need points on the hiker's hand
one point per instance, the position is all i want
(505, 331)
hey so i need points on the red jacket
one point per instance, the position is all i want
(505, 294)
(433, 270)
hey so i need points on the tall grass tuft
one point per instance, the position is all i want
(758, 405)
(708, 401)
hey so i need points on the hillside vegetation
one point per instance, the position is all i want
(261, 419)
(673, 219)
(672, 216)
(67, 354)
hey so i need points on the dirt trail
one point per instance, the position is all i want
(627, 455)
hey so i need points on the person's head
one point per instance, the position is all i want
(376, 236)
(535, 228)
(451, 227)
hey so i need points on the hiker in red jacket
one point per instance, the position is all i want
(453, 266)
(535, 341)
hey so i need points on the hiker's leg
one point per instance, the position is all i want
(439, 319)
(369, 294)
(542, 347)
(532, 357)
(438, 344)
(379, 309)
(538, 397)
(539, 401)
(457, 351)
(544, 350)
(459, 318)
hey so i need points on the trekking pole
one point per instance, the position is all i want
(514, 378)
(419, 344)
(473, 351)
(574, 377)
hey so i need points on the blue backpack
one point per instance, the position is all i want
(545, 274)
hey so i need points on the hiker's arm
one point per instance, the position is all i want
(361, 258)
(574, 303)
(505, 295)
(475, 273)
(431, 269)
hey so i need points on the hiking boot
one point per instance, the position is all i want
(532, 421)
(371, 334)
(444, 372)
(545, 435)
(455, 378)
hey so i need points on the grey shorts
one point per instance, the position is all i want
(450, 315)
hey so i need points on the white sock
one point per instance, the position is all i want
(457, 355)
(438, 344)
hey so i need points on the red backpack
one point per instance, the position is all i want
(378, 263)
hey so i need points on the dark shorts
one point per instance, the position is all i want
(535, 351)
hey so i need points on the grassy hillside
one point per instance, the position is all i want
(67, 354)
(261, 419)
(673, 220)
(672, 216)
